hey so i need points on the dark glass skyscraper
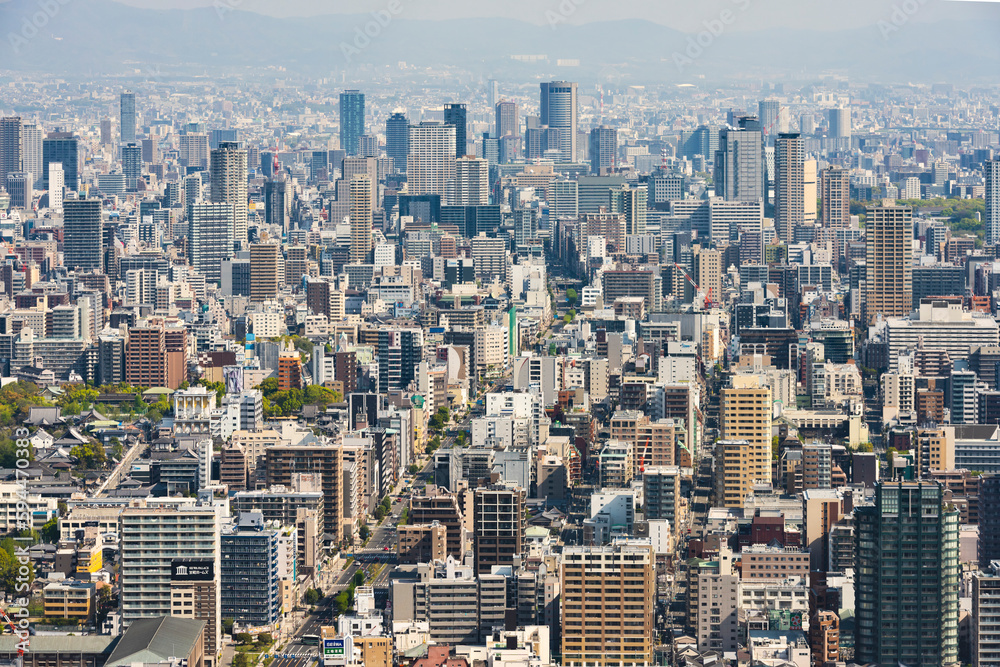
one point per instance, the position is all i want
(61, 147)
(82, 233)
(560, 111)
(397, 140)
(127, 117)
(603, 150)
(352, 120)
(10, 146)
(456, 114)
(132, 165)
(906, 595)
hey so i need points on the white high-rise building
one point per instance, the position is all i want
(229, 185)
(57, 182)
(471, 184)
(992, 168)
(361, 219)
(31, 151)
(210, 238)
(789, 185)
(430, 164)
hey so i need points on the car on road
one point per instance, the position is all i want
(385, 548)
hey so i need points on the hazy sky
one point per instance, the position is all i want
(687, 15)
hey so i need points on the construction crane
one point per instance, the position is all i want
(697, 290)
(21, 637)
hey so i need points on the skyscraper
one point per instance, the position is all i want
(507, 123)
(430, 165)
(471, 184)
(835, 188)
(603, 150)
(229, 185)
(210, 237)
(992, 169)
(745, 417)
(127, 117)
(498, 525)
(768, 112)
(361, 219)
(20, 187)
(457, 116)
(265, 271)
(352, 120)
(606, 618)
(62, 147)
(840, 123)
(132, 165)
(57, 180)
(10, 146)
(906, 592)
(275, 203)
(560, 110)
(739, 163)
(889, 254)
(31, 151)
(789, 185)
(632, 203)
(397, 140)
(82, 233)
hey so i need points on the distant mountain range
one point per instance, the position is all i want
(91, 37)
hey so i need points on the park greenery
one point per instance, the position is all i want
(279, 403)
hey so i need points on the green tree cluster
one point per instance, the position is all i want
(16, 400)
(10, 566)
(90, 455)
(439, 419)
(313, 596)
(288, 403)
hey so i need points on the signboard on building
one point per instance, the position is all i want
(191, 569)
(333, 648)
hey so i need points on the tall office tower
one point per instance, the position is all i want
(906, 591)
(632, 203)
(229, 185)
(31, 151)
(507, 123)
(361, 220)
(397, 140)
(132, 165)
(739, 163)
(194, 593)
(986, 615)
(840, 123)
(193, 149)
(492, 93)
(992, 169)
(352, 120)
(82, 234)
(20, 187)
(989, 522)
(607, 620)
(62, 147)
(603, 150)
(10, 146)
(367, 145)
(285, 462)
(564, 200)
(888, 259)
(266, 271)
(152, 538)
(745, 416)
(106, 137)
(498, 525)
(768, 111)
(399, 352)
(128, 121)
(835, 188)
(560, 111)
(525, 226)
(209, 238)
(319, 165)
(364, 166)
(249, 578)
(275, 203)
(57, 180)
(457, 116)
(471, 184)
(789, 185)
(430, 165)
